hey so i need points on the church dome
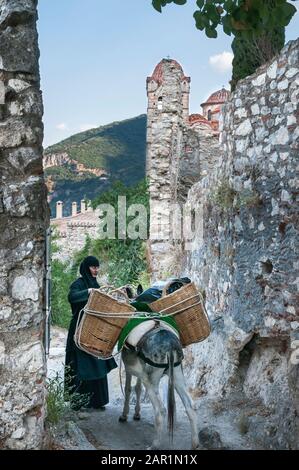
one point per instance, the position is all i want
(219, 97)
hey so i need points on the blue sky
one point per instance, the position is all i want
(96, 55)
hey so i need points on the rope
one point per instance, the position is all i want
(126, 315)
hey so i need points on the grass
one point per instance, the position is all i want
(60, 399)
(225, 197)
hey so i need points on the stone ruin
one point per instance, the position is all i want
(247, 263)
(244, 255)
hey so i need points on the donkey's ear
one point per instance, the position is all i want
(129, 292)
(139, 289)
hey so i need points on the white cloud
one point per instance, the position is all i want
(86, 127)
(62, 126)
(222, 62)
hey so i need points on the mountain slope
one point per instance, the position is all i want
(85, 164)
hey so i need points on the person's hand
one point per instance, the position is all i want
(90, 290)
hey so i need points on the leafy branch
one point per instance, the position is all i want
(234, 16)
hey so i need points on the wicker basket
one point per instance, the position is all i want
(187, 306)
(97, 335)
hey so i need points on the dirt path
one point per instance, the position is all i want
(104, 431)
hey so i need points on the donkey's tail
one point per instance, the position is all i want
(170, 397)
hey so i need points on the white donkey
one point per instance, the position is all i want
(158, 352)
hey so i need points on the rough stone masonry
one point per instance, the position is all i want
(247, 261)
(23, 220)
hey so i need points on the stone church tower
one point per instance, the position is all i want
(168, 111)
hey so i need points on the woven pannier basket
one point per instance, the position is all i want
(191, 316)
(98, 334)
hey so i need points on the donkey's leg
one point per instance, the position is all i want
(125, 412)
(180, 386)
(152, 394)
(138, 395)
(162, 405)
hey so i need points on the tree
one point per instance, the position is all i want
(258, 28)
(237, 15)
(251, 52)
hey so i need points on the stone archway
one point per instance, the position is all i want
(24, 217)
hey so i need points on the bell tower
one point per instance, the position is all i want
(168, 112)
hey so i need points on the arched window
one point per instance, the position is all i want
(209, 115)
(160, 99)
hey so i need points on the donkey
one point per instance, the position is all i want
(157, 353)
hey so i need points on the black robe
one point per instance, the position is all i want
(87, 374)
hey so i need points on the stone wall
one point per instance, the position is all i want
(23, 220)
(198, 154)
(247, 259)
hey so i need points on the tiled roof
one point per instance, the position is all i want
(197, 118)
(157, 75)
(220, 96)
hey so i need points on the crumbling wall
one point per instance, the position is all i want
(198, 154)
(23, 220)
(247, 259)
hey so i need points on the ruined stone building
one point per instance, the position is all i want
(70, 232)
(181, 148)
(244, 254)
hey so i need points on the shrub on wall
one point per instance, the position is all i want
(252, 50)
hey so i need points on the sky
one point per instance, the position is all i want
(96, 55)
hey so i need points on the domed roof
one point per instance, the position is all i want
(220, 96)
(157, 74)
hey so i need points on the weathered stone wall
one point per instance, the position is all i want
(247, 261)
(23, 220)
(165, 121)
(198, 154)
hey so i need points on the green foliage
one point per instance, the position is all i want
(226, 198)
(258, 27)
(122, 261)
(235, 15)
(251, 51)
(61, 399)
(67, 173)
(119, 148)
(224, 195)
(62, 277)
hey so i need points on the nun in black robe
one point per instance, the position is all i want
(86, 374)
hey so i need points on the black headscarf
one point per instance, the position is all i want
(90, 281)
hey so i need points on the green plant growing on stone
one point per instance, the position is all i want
(223, 196)
(61, 399)
(248, 198)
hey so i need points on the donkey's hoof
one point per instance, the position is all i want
(136, 417)
(122, 419)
